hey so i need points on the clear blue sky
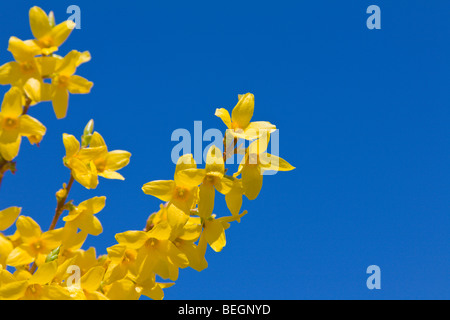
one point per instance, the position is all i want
(363, 115)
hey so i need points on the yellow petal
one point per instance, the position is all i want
(194, 255)
(60, 32)
(71, 144)
(189, 177)
(271, 162)
(20, 255)
(215, 235)
(132, 239)
(93, 205)
(251, 181)
(12, 103)
(259, 146)
(92, 279)
(68, 65)
(108, 174)
(224, 115)
(243, 111)
(60, 102)
(21, 50)
(206, 200)
(55, 292)
(162, 189)
(28, 228)
(234, 198)
(47, 65)
(30, 126)
(9, 73)
(52, 238)
(14, 290)
(97, 140)
(10, 150)
(117, 159)
(90, 224)
(45, 273)
(8, 216)
(161, 231)
(123, 290)
(39, 23)
(33, 89)
(190, 232)
(79, 84)
(185, 162)
(214, 161)
(84, 57)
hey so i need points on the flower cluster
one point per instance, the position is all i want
(36, 264)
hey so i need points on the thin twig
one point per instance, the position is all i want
(61, 203)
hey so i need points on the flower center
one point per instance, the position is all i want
(46, 41)
(62, 81)
(100, 164)
(150, 243)
(181, 193)
(129, 256)
(27, 67)
(10, 123)
(37, 246)
(33, 290)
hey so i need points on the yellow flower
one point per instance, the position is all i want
(214, 231)
(239, 122)
(8, 216)
(211, 179)
(36, 286)
(6, 247)
(122, 260)
(132, 288)
(64, 81)
(88, 285)
(255, 162)
(14, 125)
(234, 197)
(185, 232)
(35, 246)
(83, 216)
(155, 252)
(25, 66)
(81, 161)
(181, 191)
(48, 36)
(107, 163)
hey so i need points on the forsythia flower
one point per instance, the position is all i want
(214, 230)
(80, 161)
(255, 162)
(211, 179)
(83, 216)
(107, 163)
(35, 287)
(17, 72)
(181, 191)
(239, 122)
(35, 244)
(64, 81)
(14, 125)
(48, 36)
(87, 163)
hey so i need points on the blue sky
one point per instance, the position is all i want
(363, 116)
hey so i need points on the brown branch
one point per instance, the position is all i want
(61, 203)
